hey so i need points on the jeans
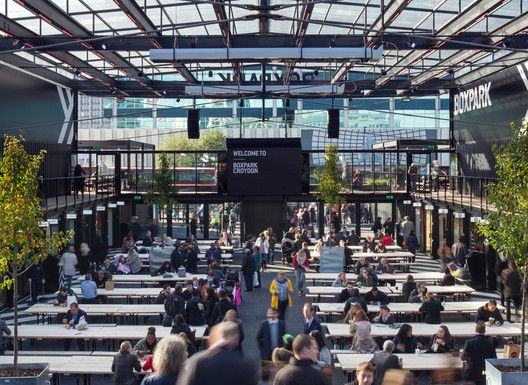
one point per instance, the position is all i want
(248, 279)
(509, 300)
(283, 306)
(299, 275)
(264, 258)
(271, 255)
(68, 281)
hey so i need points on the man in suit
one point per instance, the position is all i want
(269, 334)
(221, 363)
(475, 352)
(384, 361)
(432, 309)
(310, 320)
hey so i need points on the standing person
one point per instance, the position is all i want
(124, 365)
(78, 179)
(384, 361)
(248, 269)
(69, 261)
(134, 261)
(272, 240)
(4, 329)
(84, 258)
(99, 250)
(512, 282)
(311, 322)
(258, 265)
(357, 180)
(263, 246)
(128, 242)
(431, 309)
(300, 369)
(406, 227)
(459, 251)
(36, 273)
(193, 224)
(388, 227)
(412, 243)
(220, 364)
(281, 289)
(475, 352)
(169, 357)
(300, 263)
(413, 176)
(377, 226)
(270, 334)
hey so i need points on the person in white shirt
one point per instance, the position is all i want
(69, 261)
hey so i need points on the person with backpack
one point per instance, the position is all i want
(174, 304)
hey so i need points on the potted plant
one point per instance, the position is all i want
(505, 226)
(23, 242)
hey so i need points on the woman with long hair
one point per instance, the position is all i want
(169, 357)
(124, 365)
(404, 341)
(442, 341)
(362, 342)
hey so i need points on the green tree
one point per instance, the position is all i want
(22, 241)
(504, 226)
(164, 191)
(330, 185)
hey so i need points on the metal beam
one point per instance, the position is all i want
(375, 31)
(302, 25)
(53, 15)
(494, 66)
(221, 16)
(143, 22)
(453, 27)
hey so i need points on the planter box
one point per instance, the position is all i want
(496, 377)
(42, 379)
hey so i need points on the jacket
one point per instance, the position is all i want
(484, 314)
(449, 346)
(275, 297)
(142, 346)
(264, 338)
(302, 266)
(135, 264)
(214, 366)
(314, 325)
(248, 265)
(360, 300)
(432, 309)
(159, 380)
(174, 304)
(219, 310)
(123, 368)
(381, 297)
(81, 313)
(475, 352)
(382, 362)
(195, 312)
(407, 289)
(511, 280)
(300, 372)
(183, 328)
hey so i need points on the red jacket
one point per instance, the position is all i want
(387, 240)
(303, 266)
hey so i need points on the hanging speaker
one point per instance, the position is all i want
(333, 123)
(193, 123)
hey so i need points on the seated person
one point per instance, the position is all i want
(100, 279)
(213, 254)
(340, 281)
(146, 345)
(442, 341)
(361, 264)
(225, 240)
(134, 261)
(62, 297)
(164, 294)
(408, 286)
(432, 309)
(375, 296)
(180, 326)
(364, 278)
(448, 279)
(108, 267)
(217, 271)
(165, 268)
(212, 281)
(284, 353)
(405, 342)
(380, 248)
(387, 240)
(346, 293)
(88, 289)
(418, 294)
(384, 267)
(166, 241)
(71, 320)
(122, 267)
(147, 241)
(384, 316)
(355, 298)
(489, 313)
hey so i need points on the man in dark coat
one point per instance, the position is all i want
(174, 304)
(301, 370)
(248, 269)
(177, 258)
(311, 322)
(511, 279)
(432, 309)
(375, 295)
(220, 308)
(221, 363)
(384, 361)
(269, 334)
(356, 298)
(72, 318)
(475, 352)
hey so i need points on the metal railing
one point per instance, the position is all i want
(464, 191)
(65, 192)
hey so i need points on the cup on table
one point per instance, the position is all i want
(416, 351)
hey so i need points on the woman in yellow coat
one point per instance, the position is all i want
(281, 289)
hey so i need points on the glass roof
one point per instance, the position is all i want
(435, 18)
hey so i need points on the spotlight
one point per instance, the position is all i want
(177, 100)
(77, 72)
(113, 91)
(141, 73)
(316, 73)
(164, 92)
(210, 73)
(103, 46)
(411, 42)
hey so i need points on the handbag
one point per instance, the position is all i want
(255, 279)
(82, 324)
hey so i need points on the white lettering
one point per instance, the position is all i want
(473, 99)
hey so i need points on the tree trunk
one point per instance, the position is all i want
(523, 315)
(15, 317)
(168, 214)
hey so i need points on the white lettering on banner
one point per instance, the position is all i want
(473, 99)
(250, 153)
